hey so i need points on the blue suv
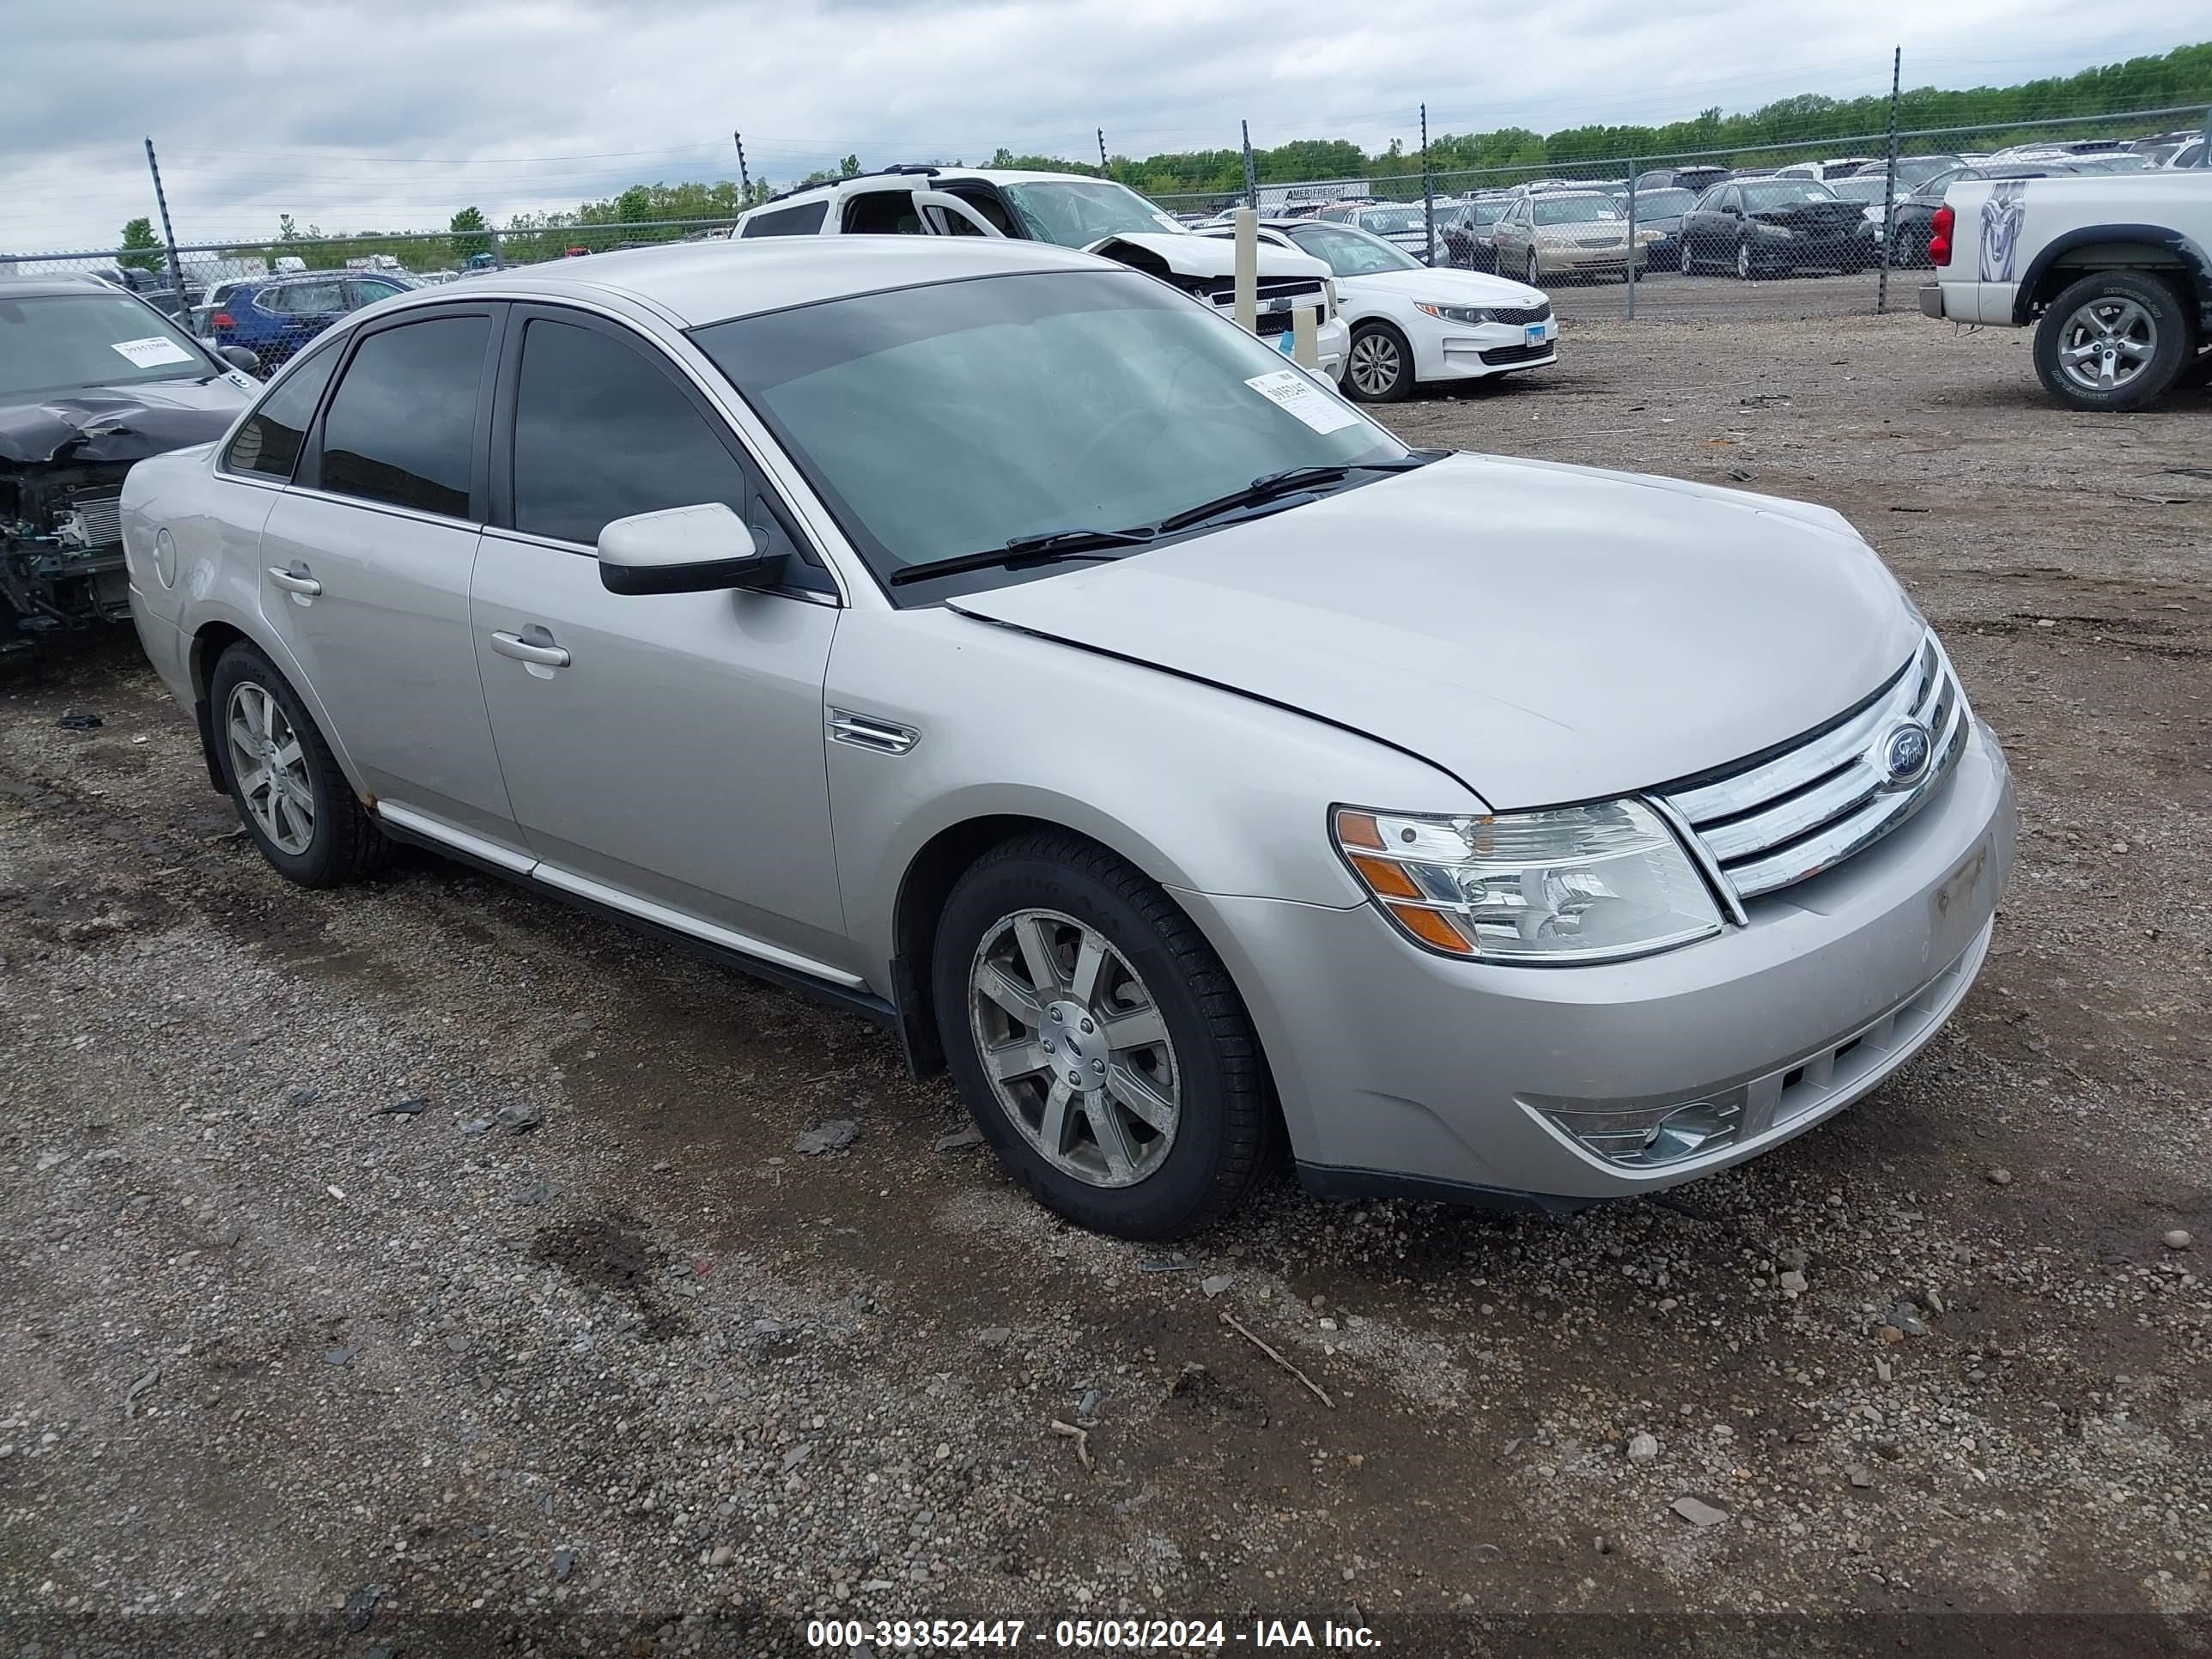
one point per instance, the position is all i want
(275, 316)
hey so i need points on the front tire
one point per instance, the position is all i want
(1378, 367)
(1689, 263)
(2116, 340)
(1746, 270)
(1535, 275)
(287, 788)
(1098, 1042)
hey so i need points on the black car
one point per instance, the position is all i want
(1911, 217)
(1466, 233)
(1661, 210)
(92, 379)
(1773, 228)
(1701, 177)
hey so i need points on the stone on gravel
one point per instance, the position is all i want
(959, 1140)
(797, 1455)
(833, 1136)
(52, 1161)
(2176, 1240)
(301, 1095)
(410, 1107)
(519, 1120)
(994, 1336)
(339, 1357)
(1861, 1475)
(1219, 1283)
(564, 1563)
(1643, 1447)
(1697, 1512)
(2000, 1177)
(1794, 1283)
(473, 1125)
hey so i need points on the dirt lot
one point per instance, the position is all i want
(301, 1356)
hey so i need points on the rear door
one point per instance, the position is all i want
(366, 561)
(671, 755)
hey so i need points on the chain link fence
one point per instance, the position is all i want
(272, 298)
(1828, 226)
(1824, 227)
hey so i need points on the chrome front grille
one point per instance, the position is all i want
(1790, 815)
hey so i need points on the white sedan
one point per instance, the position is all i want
(1413, 324)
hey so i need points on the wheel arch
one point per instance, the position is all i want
(2081, 252)
(215, 631)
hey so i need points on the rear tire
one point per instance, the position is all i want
(2116, 340)
(1199, 1055)
(293, 798)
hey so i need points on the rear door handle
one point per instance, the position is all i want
(522, 650)
(294, 581)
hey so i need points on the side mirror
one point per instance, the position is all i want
(685, 550)
(245, 357)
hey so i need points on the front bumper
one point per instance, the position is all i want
(1456, 352)
(1402, 1071)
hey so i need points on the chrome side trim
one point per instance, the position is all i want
(662, 916)
(420, 823)
(866, 731)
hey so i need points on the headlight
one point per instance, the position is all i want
(1329, 288)
(1579, 883)
(1473, 316)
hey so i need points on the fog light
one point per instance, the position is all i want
(1647, 1137)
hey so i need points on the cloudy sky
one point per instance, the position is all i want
(394, 113)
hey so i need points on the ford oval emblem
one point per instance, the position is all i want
(1906, 753)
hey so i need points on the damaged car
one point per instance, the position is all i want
(92, 381)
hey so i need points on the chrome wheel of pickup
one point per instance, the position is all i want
(1075, 1050)
(271, 764)
(2105, 343)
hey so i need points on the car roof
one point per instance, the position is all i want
(34, 286)
(700, 282)
(921, 178)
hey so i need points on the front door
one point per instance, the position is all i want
(366, 561)
(668, 747)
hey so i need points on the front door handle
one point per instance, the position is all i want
(522, 650)
(294, 581)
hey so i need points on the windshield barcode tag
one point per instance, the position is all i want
(153, 349)
(1291, 391)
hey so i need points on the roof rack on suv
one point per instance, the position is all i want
(904, 167)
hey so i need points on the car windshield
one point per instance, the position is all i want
(1390, 221)
(1862, 189)
(1662, 203)
(1076, 214)
(1352, 253)
(1489, 213)
(48, 341)
(1577, 209)
(1916, 170)
(1786, 192)
(945, 420)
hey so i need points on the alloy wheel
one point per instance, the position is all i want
(1377, 363)
(271, 765)
(1535, 274)
(2106, 343)
(1743, 260)
(1075, 1047)
(1689, 265)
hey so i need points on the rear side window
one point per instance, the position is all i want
(402, 425)
(803, 220)
(268, 444)
(602, 432)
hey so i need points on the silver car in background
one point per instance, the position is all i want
(993, 639)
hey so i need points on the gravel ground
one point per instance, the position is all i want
(426, 1268)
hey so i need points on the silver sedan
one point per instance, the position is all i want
(1000, 643)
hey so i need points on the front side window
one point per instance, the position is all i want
(269, 443)
(801, 219)
(601, 433)
(99, 338)
(944, 420)
(1391, 221)
(402, 425)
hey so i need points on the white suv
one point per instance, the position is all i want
(1072, 210)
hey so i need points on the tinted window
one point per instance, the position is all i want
(269, 442)
(601, 433)
(804, 220)
(402, 427)
(304, 298)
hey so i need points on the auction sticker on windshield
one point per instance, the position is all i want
(1287, 389)
(154, 349)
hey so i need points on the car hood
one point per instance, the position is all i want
(118, 423)
(1810, 215)
(1545, 632)
(1189, 255)
(1445, 288)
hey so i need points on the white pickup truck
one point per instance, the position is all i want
(2114, 271)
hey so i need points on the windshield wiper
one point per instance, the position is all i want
(1291, 481)
(1038, 547)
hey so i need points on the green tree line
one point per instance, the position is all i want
(2182, 76)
